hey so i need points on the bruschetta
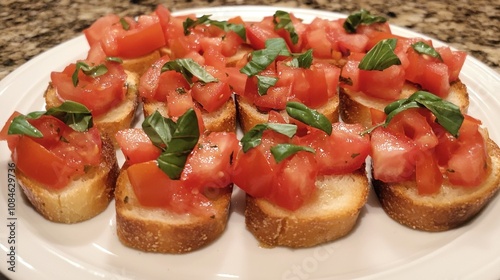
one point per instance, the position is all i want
(434, 168)
(168, 200)
(305, 184)
(66, 168)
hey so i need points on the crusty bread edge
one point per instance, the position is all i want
(274, 226)
(434, 214)
(84, 198)
(157, 230)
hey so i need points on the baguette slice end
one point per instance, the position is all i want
(329, 215)
(448, 209)
(160, 231)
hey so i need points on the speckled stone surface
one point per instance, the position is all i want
(28, 28)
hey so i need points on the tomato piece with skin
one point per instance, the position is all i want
(209, 164)
(144, 39)
(153, 188)
(289, 190)
(253, 173)
(98, 29)
(413, 124)
(11, 139)
(393, 156)
(149, 81)
(428, 175)
(258, 33)
(136, 146)
(385, 84)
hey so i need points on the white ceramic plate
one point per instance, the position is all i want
(378, 248)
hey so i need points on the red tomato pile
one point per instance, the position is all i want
(415, 147)
(56, 158)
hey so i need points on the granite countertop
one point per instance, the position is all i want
(30, 27)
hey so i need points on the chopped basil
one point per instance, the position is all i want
(92, 71)
(73, 114)
(114, 59)
(261, 59)
(303, 60)
(188, 68)
(308, 116)
(423, 48)
(281, 19)
(176, 140)
(447, 114)
(362, 17)
(224, 25)
(264, 83)
(282, 151)
(253, 137)
(124, 24)
(381, 56)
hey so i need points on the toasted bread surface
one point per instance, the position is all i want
(221, 120)
(120, 117)
(85, 197)
(355, 106)
(139, 65)
(329, 215)
(249, 115)
(162, 231)
(450, 208)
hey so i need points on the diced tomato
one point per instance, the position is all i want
(63, 152)
(154, 188)
(148, 82)
(98, 94)
(435, 79)
(350, 75)
(11, 139)
(147, 37)
(136, 146)
(237, 81)
(317, 40)
(427, 173)
(413, 124)
(385, 84)
(209, 164)
(393, 156)
(342, 152)
(98, 29)
(253, 173)
(258, 34)
(352, 43)
(169, 84)
(454, 60)
(163, 15)
(96, 54)
(178, 102)
(289, 190)
(377, 116)
(211, 95)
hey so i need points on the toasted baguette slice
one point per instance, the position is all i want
(161, 231)
(450, 208)
(249, 115)
(355, 106)
(221, 120)
(84, 198)
(329, 215)
(120, 117)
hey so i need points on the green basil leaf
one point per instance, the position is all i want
(448, 115)
(21, 126)
(158, 129)
(261, 59)
(114, 59)
(253, 137)
(362, 17)
(309, 116)
(303, 60)
(282, 151)
(73, 114)
(124, 24)
(381, 56)
(423, 48)
(264, 83)
(224, 25)
(184, 139)
(92, 71)
(189, 68)
(282, 19)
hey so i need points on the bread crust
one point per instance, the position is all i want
(329, 215)
(140, 65)
(85, 196)
(221, 120)
(450, 208)
(355, 106)
(120, 117)
(160, 231)
(249, 115)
